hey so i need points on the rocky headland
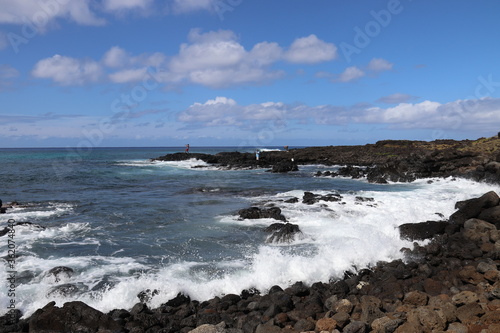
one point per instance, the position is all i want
(452, 284)
(388, 160)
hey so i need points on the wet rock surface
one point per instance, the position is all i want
(450, 285)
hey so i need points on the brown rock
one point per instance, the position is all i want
(492, 276)
(326, 324)
(281, 318)
(432, 319)
(433, 287)
(342, 319)
(416, 298)
(491, 317)
(465, 297)
(370, 309)
(494, 328)
(457, 328)
(385, 324)
(487, 247)
(491, 215)
(476, 229)
(343, 305)
(468, 312)
(469, 275)
(267, 328)
(410, 328)
(444, 303)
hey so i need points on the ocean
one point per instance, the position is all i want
(124, 224)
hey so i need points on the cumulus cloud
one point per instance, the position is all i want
(351, 74)
(461, 114)
(379, 65)
(67, 71)
(310, 50)
(396, 98)
(116, 57)
(128, 75)
(214, 59)
(43, 12)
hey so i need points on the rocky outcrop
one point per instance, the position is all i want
(387, 160)
(72, 317)
(284, 166)
(282, 232)
(472, 208)
(424, 230)
(310, 198)
(253, 213)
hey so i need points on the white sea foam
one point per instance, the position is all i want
(339, 236)
(186, 164)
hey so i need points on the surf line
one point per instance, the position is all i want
(11, 273)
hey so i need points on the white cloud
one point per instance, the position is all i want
(116, 57)
(117, 5)
(41, 13)
(350, 74)
(310, 50)
(265, 53)
(214, 59)
(379, 65)
(472, 115)
(208, 52)
(67, 71)
(128, 75)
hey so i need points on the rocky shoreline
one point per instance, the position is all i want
(388, 160)
(452, 284)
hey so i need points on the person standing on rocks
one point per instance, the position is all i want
(257, 154)
(187, 149)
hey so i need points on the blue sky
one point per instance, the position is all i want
(97, 73)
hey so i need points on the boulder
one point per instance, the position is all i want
(310, 198)
(491, 215)
(72, 317)
(282, 232)
(258, 213)
(422, 230)
(475, 229)
(284, 166)
(472, 208)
